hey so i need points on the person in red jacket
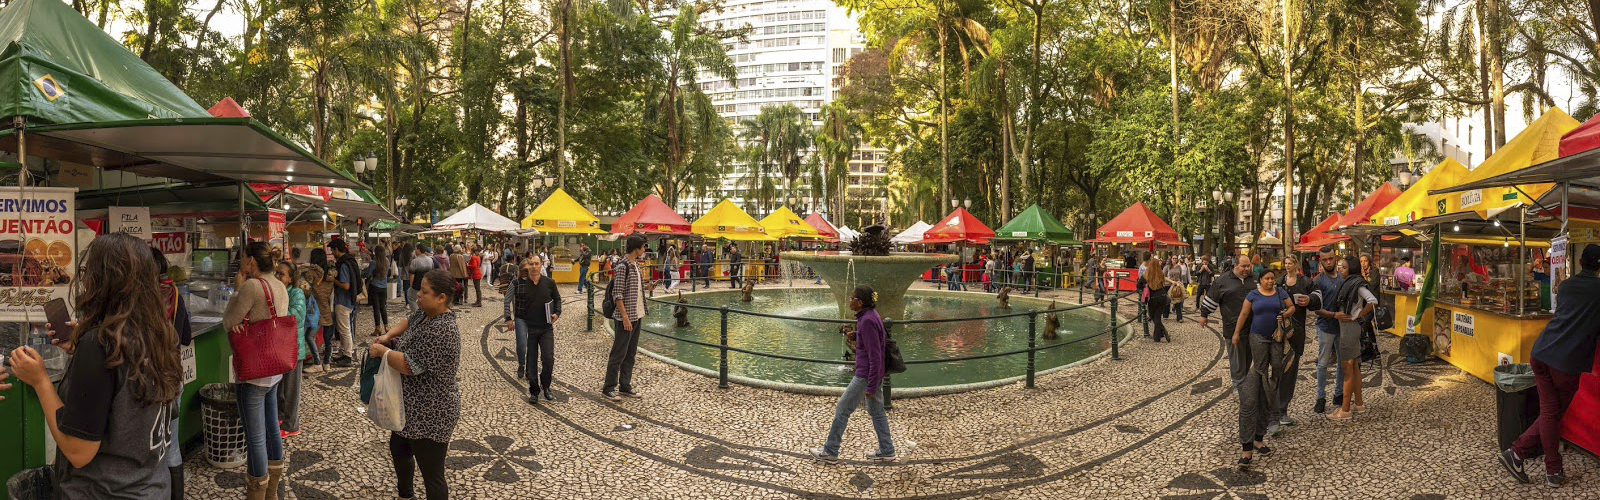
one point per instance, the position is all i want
(475, 268)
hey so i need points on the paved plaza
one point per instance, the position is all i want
(1159, 423)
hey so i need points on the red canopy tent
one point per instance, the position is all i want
(1318, 236)
(824, 228)
(1362, 213)
(1137, 224)
(651, 215)
(1583, 138)
(959, 226)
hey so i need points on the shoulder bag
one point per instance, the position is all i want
(265, 347)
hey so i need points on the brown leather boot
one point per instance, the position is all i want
(256, 488)
(274, 476)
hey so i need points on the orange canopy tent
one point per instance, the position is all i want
(960, 225)
(1362, 213)
(1138, 224)
(1318, 236)
(653, 216)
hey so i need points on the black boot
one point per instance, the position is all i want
(177, 481)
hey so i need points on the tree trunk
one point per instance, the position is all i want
(944, 115)
(1288, 124)
(105, 10)
(1483, 78)
(152, 19)
(1497, 69)
(1005, 141)
(566, 93)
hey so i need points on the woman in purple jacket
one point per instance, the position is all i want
(870, 338)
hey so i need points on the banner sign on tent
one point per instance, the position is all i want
(171, 243)
(276, 224)
(1558, 266)
(38, 240)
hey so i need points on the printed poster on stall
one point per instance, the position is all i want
(1558, 266)
(37, 249)
(276, 224)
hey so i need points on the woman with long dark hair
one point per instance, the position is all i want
(425, 348)
(870, 338)
(378, 288)
(110, 417)
(1352, 304)
(254, 290)
(1159, 301)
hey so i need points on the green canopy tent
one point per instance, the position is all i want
(83, 98)
(1037, 225)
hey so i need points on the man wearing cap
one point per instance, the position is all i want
(1564, 350)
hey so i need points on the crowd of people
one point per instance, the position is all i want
(118, 396)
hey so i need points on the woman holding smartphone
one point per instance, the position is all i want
(110, 416)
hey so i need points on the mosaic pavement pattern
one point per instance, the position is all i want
(1158, 424)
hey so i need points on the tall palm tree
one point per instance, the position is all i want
(775, 141)
(836, 143)
(687, 53)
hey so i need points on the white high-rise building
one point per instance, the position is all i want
(795, 50)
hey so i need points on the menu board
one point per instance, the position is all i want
(37, 248)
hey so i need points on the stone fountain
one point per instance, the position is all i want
(890, 275)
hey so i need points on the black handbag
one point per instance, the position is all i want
(369, 371)
(892, 362)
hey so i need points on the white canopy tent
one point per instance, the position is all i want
(912, 234)
(477, 217)
(846, 234)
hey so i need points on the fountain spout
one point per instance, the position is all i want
(891, 275)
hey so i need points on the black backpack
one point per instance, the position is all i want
(608, 305)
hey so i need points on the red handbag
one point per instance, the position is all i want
(1580, 425)
(265, 347)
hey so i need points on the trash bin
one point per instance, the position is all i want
(1516, 401)
(221, 427)
(30, 484)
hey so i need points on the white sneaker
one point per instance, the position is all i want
(877, 456)
(1286, 420)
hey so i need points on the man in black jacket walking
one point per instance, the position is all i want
(1227, 296)
(532, 305)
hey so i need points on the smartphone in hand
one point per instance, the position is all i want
(56, 311)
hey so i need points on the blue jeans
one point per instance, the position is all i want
(1328, 354)
(583, 278)
(852, 397)
(258, 410)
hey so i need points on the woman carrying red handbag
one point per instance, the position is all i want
(1563, 352)
(259, 300)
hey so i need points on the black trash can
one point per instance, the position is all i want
(31, 484)
(1516, 401)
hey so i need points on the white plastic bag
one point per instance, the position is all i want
(387, 407)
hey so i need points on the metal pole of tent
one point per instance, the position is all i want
(1522, 262)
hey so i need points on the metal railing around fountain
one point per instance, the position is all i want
(1109, 295)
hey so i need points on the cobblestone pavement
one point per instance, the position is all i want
(1159, 423)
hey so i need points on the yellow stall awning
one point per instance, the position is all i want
(1538, 143)
(726, 220)
(783, 223)
(561, 214)
(1416, 204)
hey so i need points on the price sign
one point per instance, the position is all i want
(186, 354)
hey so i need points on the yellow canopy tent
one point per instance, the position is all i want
(561, 214)
(726, 220)
(1416, 203)
(1538, 143)
(783, 223)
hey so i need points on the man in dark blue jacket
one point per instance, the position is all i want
(1564, 350)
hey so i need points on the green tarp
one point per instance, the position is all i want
(1035, 224)
(57, 67)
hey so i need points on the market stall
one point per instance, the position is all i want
(825, 229)
(1486, 305)
(559, 214)
(728, 221)
(963, 230)
(1044, 230)
(88, 114)
(1136, 226)
(911, 234)
(654, 219)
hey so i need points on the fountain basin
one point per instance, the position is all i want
(817, 340)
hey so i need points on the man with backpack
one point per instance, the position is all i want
(347, 287)
(625, 307)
